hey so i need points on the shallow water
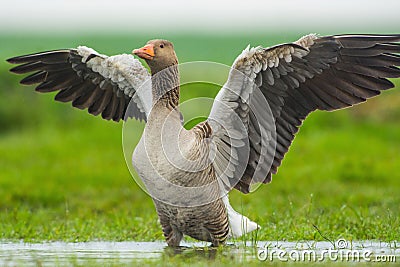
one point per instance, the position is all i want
(50, 253)
(61, 253)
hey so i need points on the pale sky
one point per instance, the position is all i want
(205, 15)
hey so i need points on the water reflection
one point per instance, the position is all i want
(207, 253)
(128, 253)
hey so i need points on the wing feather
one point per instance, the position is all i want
(326, 73)
(88, 79)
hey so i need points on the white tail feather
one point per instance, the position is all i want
(239, 224)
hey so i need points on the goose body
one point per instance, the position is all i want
(254, 119)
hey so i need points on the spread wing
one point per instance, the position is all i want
(103, 85)
(272, 90)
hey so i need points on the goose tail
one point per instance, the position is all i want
(238, 223)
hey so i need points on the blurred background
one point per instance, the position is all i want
(62, 171)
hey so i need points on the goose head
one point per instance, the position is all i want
(158, 54)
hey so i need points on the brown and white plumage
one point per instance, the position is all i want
(253, 121)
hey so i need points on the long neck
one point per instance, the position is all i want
(165, 87)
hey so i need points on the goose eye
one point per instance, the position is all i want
(161, 45)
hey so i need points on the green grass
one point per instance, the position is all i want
(63, 175)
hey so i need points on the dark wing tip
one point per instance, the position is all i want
(48, 56)
(15, 69)
(23, 68)
(14, 60)
(371, 37)
(34, 78)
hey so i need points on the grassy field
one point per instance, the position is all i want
(63, 175)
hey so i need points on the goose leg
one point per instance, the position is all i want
(172, 235)
(217, 236)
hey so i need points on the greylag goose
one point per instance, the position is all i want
(253, 121)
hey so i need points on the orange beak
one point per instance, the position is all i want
(146, 52)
